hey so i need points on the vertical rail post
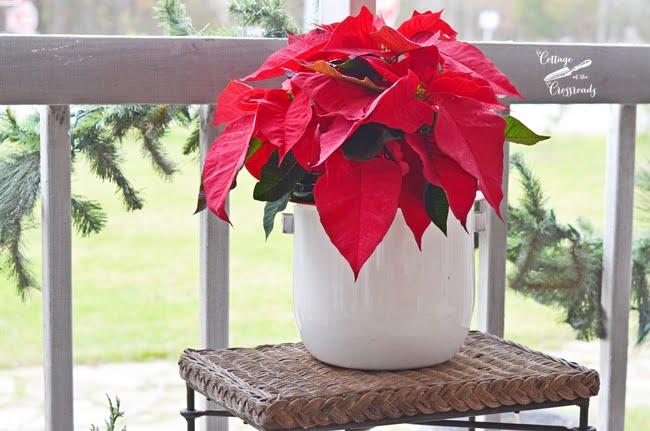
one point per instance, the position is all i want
(214, 295)
(492, 261)
(617, 266)
(310, 14)
(57, 267)
(492, 265)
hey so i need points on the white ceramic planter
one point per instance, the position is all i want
(408, 309)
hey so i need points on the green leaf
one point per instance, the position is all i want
(277, 181)
(270, 210)
(255, 145)
(437, 206)
(201, 201)
(517, 132)
(364, 144)
(359, 68)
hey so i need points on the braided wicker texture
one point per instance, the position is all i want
(284, 387)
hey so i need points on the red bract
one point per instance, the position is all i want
(410, 198)
(298, 119)
(229, 104)
(423, 25)
(357, 202)
(304, 48)
(464, 57)
(335, 97)
(476, 145)
(399, 108)
(369, 117)
(225, 158)
(352, 36)
(258, 159)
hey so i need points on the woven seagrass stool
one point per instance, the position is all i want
(282, 387)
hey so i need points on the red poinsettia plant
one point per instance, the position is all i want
(369, 120)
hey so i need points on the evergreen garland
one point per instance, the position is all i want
(561, 265)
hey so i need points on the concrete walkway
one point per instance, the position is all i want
(152, 393)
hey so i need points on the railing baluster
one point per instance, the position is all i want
(57, 266)
(617, 266)
(492, 262)
(214, 297)
(492, 266)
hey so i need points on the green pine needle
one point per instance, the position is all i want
(88, 216)
(19, 190)
(115, 413)
(193, 141)
(172, 16)
(270, 15)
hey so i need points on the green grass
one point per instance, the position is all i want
(136, 284)
(637, 418)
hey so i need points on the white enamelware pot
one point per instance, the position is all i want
(408, 308)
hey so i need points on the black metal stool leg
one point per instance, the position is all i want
(584, 417)
(191, 421)
(472, 419)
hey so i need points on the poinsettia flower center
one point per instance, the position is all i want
(421, 92)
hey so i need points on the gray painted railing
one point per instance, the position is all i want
(58, 71)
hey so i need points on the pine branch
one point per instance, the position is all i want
(172, 16)
(642, 193)
(19, 190)
(155, 126)
(640, 288)
(104, 160)
(150, 123)
(193, 142)
(26, 134)
(13, 260)
(114, 415)
(271, 15)
(87, 215)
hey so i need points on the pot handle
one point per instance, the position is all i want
(479, 221)
(287, 223)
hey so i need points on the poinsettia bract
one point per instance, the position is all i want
(369, 120)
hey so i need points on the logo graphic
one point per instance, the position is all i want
(569, 80)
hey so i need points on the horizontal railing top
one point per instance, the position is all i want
(188, 70)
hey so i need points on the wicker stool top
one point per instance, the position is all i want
(284, 387)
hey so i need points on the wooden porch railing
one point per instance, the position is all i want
(59, 71)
